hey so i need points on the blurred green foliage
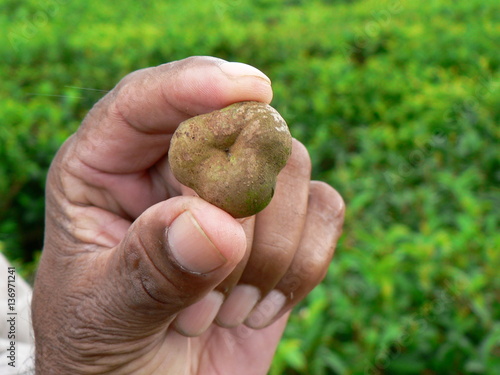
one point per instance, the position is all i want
(398, 103)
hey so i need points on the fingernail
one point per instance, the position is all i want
(190, 246)
(266, 310)
(236, 69)
(238, 305)
(195, 319)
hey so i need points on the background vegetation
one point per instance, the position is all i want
(398, 103)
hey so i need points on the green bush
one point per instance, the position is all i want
(398, 103)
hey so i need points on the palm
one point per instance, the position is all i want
(224, 351)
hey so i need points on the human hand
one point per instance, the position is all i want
(135, 267)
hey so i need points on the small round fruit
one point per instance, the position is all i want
(231, 157)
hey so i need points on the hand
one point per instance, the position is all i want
(140, 276)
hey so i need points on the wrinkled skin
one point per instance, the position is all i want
(135, 266)
(231, 157)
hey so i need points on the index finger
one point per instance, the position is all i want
(130, 128)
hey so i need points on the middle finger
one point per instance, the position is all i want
(277, 233)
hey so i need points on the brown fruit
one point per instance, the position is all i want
(231, 157)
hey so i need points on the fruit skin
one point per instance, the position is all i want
(231, 157)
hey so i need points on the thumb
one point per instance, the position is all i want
(172, 257)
